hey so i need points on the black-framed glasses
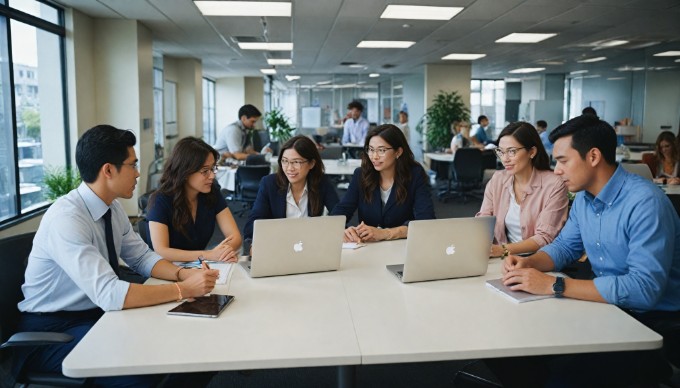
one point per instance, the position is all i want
(381, 151)
(205, 171)
(511, 152)
(134, 165)
(295, 163)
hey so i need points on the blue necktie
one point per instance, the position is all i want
(110, 247)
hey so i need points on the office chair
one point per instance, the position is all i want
(247, 184)
(331, 152)
(15, 251)
(256, 160)
(467, 174)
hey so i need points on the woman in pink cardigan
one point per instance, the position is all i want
(527, 198)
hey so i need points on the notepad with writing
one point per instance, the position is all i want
(515, 296)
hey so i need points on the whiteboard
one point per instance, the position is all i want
(311, 117)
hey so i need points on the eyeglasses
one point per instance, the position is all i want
(512, 152)
(293, 163)
(134, 165)
(381, 151)
(205, 171)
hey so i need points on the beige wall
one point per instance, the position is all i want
(447, 78)
(229, 97)
(187, 74)
(254, 92)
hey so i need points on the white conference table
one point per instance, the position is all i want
(360, 314)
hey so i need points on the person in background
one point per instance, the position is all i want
(631, 234)
(542, 128)
(232, 140)
(389, 189)
(72, 272)
(528, 200)
(403, 124)
(186, 207)
(298, 189)
(667, 159)
(356, 126)
(461, 137)
(480, 131)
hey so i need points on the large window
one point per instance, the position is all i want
(487, 97)
(208, 111)
(31, 104)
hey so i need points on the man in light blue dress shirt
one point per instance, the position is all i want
(356, 126)
(70, 280)
(631, 233)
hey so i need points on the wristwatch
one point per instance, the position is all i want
(558, 286)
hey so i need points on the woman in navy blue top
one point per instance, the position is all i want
(298, 189)
(183, 212)
(389, 189)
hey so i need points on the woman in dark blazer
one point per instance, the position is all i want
(389, 189)
(298, 189)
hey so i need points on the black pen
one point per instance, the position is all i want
(202, 261)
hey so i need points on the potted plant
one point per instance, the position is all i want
(59, 181)
(278, 126)
(446, 108)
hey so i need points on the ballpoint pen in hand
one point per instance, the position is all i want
(204, 264)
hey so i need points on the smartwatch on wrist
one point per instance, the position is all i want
(558, 287)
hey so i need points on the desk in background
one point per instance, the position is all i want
(360, 314)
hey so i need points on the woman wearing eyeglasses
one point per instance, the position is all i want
(187, 205)
(389, 189)
(527, 198)
(298, 189)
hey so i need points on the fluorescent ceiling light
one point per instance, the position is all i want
(668, 54)
(527, 70)
(374, 75)
(266, 46)
(612, 43)
(279, 61)
(615, 78)
(357, 65)
(323, 82)
(677, 60)
(268, 71)
(592, 76)
(591, 60)
(385, 44)
(524, 38)
(292, 77)
(463, 57)
(578, 72)
(419, 12)
(244, 8)
(629, 68)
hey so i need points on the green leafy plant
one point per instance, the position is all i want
(59, 181)
(446, 108)
(278, 125)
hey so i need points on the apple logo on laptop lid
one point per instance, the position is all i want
(450, 250)
(297, 247)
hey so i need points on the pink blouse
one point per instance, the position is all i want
(543, 207)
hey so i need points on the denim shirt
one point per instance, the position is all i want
(631, 234)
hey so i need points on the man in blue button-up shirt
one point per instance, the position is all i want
(631, 234)
(70, 280)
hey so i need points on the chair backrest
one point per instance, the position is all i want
(248, 180)
(15, 251)
(256, 160)
(641, 169)
(155, 172)
(143, 230)
(331, 152)
(467, 165)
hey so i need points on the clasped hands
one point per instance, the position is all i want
(518, 275)
(222, 252)
(364, 233)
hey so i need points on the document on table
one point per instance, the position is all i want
(352, 245)
(223, 267)
(515, 296)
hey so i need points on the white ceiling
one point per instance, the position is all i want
(325, 34)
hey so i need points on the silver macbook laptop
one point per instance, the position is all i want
(289, 246)
(445, 249)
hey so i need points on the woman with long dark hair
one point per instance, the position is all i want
(527, 198)
(389, 189)
(667, 159)
(298, 189)
(187, 205)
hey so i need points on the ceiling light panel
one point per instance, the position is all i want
(267, 46)
(524, 38)
(419, 12)
(463, 57)
(668, 54)
(268, 71)
(292, 77)
(274, 62)
(527, 70)
(591, 60)
(244, 8)
(385, 44)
